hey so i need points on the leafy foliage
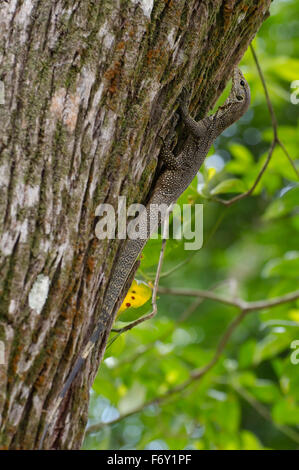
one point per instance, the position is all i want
(250, 398)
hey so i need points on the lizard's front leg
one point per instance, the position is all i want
(197, 129)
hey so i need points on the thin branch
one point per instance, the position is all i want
(209, 295)
(288, 157)
(236, 302)
(197, 374)
(142, 349)
(276, 141)
(269, 103)
(264, 412)
(261, 304)
(204, 294)
(229, 202)
(271, 111)
(206, 241)
(154, 296)
(194, 376)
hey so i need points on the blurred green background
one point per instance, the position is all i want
(250, 398)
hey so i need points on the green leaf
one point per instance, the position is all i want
(133, 398)
(283, 205)
(246, 353)
(284, 67)
(233, 185)
(250, 441)
(265, 391)
(272, 345)
(286, 412)
(243, 159)
(285, 267)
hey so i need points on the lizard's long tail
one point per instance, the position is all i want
(125, 263)
(148, 223)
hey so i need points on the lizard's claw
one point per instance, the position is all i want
(176, 119)
(162, 139)
(172, 135)
(185, 97)
(172, 138)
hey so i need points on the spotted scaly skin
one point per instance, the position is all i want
(176, 175)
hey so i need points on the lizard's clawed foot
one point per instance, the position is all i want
(170, 140)
(176, 119)
(185, 97)
(161, 139)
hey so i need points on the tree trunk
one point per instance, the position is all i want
(88, 88)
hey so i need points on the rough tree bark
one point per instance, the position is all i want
(89, 85)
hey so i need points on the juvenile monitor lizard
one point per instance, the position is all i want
(177, 173)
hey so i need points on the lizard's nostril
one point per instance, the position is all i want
(239, 98)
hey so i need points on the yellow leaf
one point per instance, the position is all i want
(122, 390)
(138, 294)
(294, 315)
(211, 173)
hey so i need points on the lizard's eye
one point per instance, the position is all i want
(239, 98)
(242, 82)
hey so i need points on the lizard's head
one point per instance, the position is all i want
(240, 92)
(237, 102)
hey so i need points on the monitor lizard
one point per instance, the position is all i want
(176, 174)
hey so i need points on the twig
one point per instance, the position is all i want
(276, 141)
(221, 346)
(269, 103)
(236, 302)
(142, 349)
(194, 376)
(204, 294)
(261, 304)
(288, 157)
(263, 411)
(154, 296)
(229, 202)
(271, 111)
(185, 261)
